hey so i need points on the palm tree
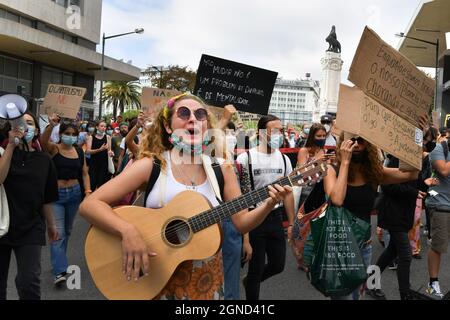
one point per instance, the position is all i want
(122, 94)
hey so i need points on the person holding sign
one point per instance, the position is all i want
(99, 149)
(30, 182)
(71, 168)
(354, 181)
(180, 128)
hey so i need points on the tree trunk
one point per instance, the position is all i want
(115, 110)
(122, 107)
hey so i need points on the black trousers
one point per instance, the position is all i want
(398, 247)
(28, 279)
(267, 239)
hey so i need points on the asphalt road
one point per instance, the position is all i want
(292, 284)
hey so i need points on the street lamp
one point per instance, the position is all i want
(138, 31)
(436, 44)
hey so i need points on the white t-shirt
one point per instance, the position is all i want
(267, 168)
(331, 141)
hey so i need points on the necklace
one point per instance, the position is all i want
(193, 185)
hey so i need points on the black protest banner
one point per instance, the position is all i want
(222, 82)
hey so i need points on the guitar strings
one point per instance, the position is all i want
(204, 218)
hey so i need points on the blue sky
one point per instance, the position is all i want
(286, 36)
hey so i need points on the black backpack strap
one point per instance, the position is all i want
(250, 170)
(215, 165)
(445, 147)
(153, 178)
(284, 160)
(219, 176)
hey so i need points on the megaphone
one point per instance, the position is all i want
(12, 109)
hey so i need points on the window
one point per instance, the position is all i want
(25, 71)
(11, 68)
(28, 22)
(12, 16)
(61, 2)
(14, 73)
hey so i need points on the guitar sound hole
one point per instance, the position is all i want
(177, 232)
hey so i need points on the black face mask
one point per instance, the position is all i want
(429, 146)
(359, 157)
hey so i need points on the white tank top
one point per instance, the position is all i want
(166, 188)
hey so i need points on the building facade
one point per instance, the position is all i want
(54, 41)
(293, 101)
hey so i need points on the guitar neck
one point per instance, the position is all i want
(226, 210)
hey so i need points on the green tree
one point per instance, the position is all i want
(172, 77)
(122, 95)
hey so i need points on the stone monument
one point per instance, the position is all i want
(331, 78)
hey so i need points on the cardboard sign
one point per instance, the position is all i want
(361, 115)
(222, 82)
(391, 79)
(154, 99)
(65, 101)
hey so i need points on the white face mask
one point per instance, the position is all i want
(327, 128)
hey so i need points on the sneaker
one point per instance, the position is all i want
(376, 294)
(393, 266)
(60, 278)
(435, 290)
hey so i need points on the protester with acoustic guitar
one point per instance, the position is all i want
(164, 257)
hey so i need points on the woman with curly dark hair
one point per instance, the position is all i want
(353, 183)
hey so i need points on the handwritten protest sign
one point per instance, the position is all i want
(221, 82)
(391, 79)
(63, 100)
(361, 115)
(153, 99)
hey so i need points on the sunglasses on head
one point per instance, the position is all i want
(358, 139)
(184, 113)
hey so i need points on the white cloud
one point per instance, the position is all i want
(287, 36)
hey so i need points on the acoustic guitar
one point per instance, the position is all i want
(187, 228)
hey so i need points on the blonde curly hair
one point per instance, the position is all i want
(156, 140)
(372, 169)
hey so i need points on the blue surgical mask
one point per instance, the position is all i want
(84, 126)
(320, 142)
(306, 131)
(91, 130)
(29, 135)
(276, 141)
(69, 140)
(179, 144)
(100, 132)
(139, 131)
(109, 132)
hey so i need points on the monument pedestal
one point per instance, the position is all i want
(329, 86)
